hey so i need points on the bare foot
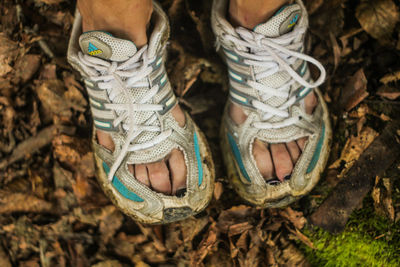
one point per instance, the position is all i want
(276, 160)
(167, 176)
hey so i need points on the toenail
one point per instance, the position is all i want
(287, 177)
(180, 192)
(273, 182)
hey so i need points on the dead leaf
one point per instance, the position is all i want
(108, 263)
(312, 6)
(378, 18)
(49, 2)
(239, 228)
(19, 202)
(382, 195)
(50, 93)
(208, 243)
(26, 66)
(30, 145)
(191, 227)
(4, 260)
(390, 77)
(8, 53)
(290, 255)
(218, 189)
(74, 91)
(70, 150)
(303, 238)
(353, 149)
(355, 91)
(234, 215)
(295, 217)
(81, 187)
(389, 92)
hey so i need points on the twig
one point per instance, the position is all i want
(30, 145)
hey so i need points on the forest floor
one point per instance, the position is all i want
(53, 213)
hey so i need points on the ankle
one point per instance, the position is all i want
(249, 14)
(122, 18)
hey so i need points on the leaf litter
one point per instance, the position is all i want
(53, 213)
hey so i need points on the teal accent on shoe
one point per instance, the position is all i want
(238, 157)
(235, 76)
(198, 158)
(92, 47)
(163, 80)
(303, 69)
(102, 125)
(231, 56)
(317, 152)
(121, 188)
(303, 92)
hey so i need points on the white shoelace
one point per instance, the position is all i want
(274, 54)
(117, 78)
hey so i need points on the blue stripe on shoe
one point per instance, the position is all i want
(238, 157)
(317, 152)
(121, 188)
(198, 158)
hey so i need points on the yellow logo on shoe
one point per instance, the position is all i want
(93, 50)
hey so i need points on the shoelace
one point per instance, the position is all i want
(117, 78)
(274, 54)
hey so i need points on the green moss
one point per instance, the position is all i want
(368, 240)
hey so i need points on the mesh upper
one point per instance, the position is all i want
(272, 27)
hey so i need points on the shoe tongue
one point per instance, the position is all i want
(103, 45)
(283, 21)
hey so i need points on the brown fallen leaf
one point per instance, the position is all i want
(390, 77)
(241, 243)
(252, 258)
(295, 217)
(8, 53)
(302, 237)
(389, 92)
(239, 228)
(354, 91)
(31, 145)
(234, 215)
(378, 18)
(70, 150)
(353, 148)
(191, 227)
(290, 255)
(382, 195)
(26, 66)
(19, 202)
(108, 263)
(74, 91)
(81, 187)
(49, 2)
(218, 189)
(4, 260)
(208, 243)
(313, 6)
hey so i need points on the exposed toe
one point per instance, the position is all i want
(263, 159)
(159, 177)
(282, 161)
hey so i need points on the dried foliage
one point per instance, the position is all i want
(52, 211)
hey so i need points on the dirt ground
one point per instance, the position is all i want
(53, 213)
